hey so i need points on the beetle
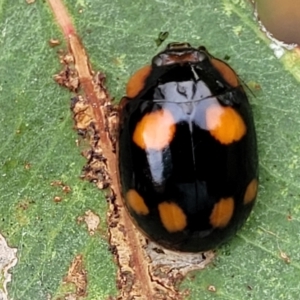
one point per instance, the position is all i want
(187, 152)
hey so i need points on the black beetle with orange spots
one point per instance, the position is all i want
(188, 163)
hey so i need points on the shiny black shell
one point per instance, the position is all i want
(187, 153)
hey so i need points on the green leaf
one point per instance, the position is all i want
(37, 144)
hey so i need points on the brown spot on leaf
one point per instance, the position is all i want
(70, 297)
(57, 199)
(82, 114)
(54, 42)
(92, 221)
(254, 85)
(25, 203)
(27, 166)
(170, 267)
(77, 275)
(212, 288)
(66, 189)
(285, 257)
(68, 77)
(8, 260)
(58, 183)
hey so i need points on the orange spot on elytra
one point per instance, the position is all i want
(156, 130)
(172, 216)
(136, 202)
(225, 124)
(251, 191)
(222, 212)
(137, 81)
(228, 74)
